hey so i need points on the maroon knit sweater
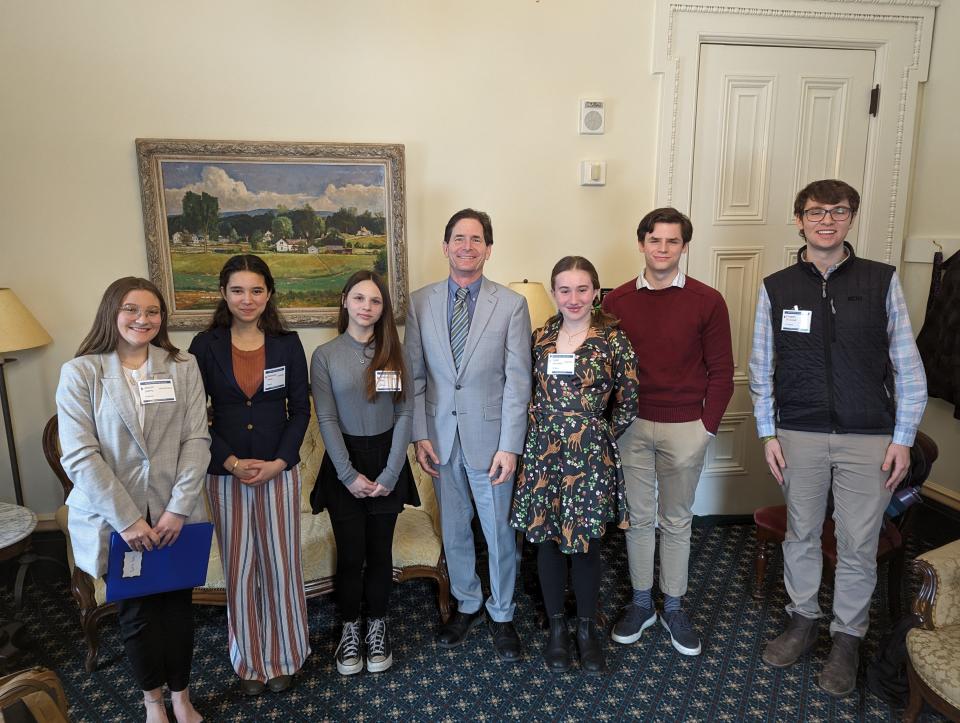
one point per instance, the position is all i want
(684, 358)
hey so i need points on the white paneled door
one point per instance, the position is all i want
(769, 121)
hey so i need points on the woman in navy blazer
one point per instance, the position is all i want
(255, 373)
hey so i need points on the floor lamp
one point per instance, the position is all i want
(18, 331)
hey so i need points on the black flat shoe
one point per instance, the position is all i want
(280, 683)
(252, 687)
(505, 641)
(456, 629)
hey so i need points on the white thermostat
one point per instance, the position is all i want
(591, 117)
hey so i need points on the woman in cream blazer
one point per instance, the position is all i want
(137, 469)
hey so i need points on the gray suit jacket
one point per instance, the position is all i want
(487, 400)
(119, 472)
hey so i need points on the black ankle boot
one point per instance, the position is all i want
(590, 646)
(556, 653)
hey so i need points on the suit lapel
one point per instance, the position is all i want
(223, 353)
(438, 312)
(115, 386)
(157, 368)
(486, 303)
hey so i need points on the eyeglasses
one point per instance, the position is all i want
(837, 213)
(153, 313)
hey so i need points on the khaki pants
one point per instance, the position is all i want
(668, 456)
(859, 498)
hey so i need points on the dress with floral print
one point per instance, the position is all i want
(570, 483)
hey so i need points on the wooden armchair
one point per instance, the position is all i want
(772, 528)
(417, 544)
(933, 648)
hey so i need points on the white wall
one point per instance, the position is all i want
(934, 213)
(483, 95)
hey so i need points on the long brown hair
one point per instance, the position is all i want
(387, 351)
(599, 318)
(270, 321)
(104, 335)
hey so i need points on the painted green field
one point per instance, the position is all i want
(303, 280)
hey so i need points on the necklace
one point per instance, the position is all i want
(361, 359)
(570, 337)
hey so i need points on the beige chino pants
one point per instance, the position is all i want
(667, 457)
(850, 464)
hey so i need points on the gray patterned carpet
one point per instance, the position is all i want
(646, 681)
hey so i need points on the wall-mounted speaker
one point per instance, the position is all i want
(591, 117)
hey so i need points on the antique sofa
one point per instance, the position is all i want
(933, 648)
(417, 546)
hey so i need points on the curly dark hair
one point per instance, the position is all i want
(829, 190)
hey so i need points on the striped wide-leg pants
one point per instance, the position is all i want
(258, 529)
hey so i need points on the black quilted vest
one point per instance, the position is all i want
(837, 378)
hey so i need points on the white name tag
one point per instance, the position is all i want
(387, 381)
(796, 320)
(275, 378)
(154, 391)
(561, 364)
(131, 564)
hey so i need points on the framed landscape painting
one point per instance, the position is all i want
(315, 212)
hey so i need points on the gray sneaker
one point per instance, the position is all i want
(349, 655)
(379, 656)
(633, 621)
(684, 638)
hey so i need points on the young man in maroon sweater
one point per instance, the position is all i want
(680, 331)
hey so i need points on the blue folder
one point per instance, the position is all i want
(178, 566)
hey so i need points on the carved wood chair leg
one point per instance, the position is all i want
(760, 568)
(443, 592)
(89, 624)
(916, 700)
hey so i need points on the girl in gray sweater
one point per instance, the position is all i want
(365, 411)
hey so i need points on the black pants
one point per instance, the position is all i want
(364, 538)
(157, 633)
(587, 569)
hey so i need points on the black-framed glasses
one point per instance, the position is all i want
(837, 213)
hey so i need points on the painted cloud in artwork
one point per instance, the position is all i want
(250, 187)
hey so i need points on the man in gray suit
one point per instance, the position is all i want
(468, 341)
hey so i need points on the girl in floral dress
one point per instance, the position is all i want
(570, 483)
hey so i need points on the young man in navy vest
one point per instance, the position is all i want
(838, 390)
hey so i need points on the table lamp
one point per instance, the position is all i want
(18, 331)
(538, 301)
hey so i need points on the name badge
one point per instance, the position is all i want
(387, 381)
(132, 562)
(561, 364)
(796, 320)
(154, 391)
(275, 378)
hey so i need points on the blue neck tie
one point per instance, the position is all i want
(459, 326)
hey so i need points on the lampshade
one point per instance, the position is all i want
(538, 301)
(18, 329)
